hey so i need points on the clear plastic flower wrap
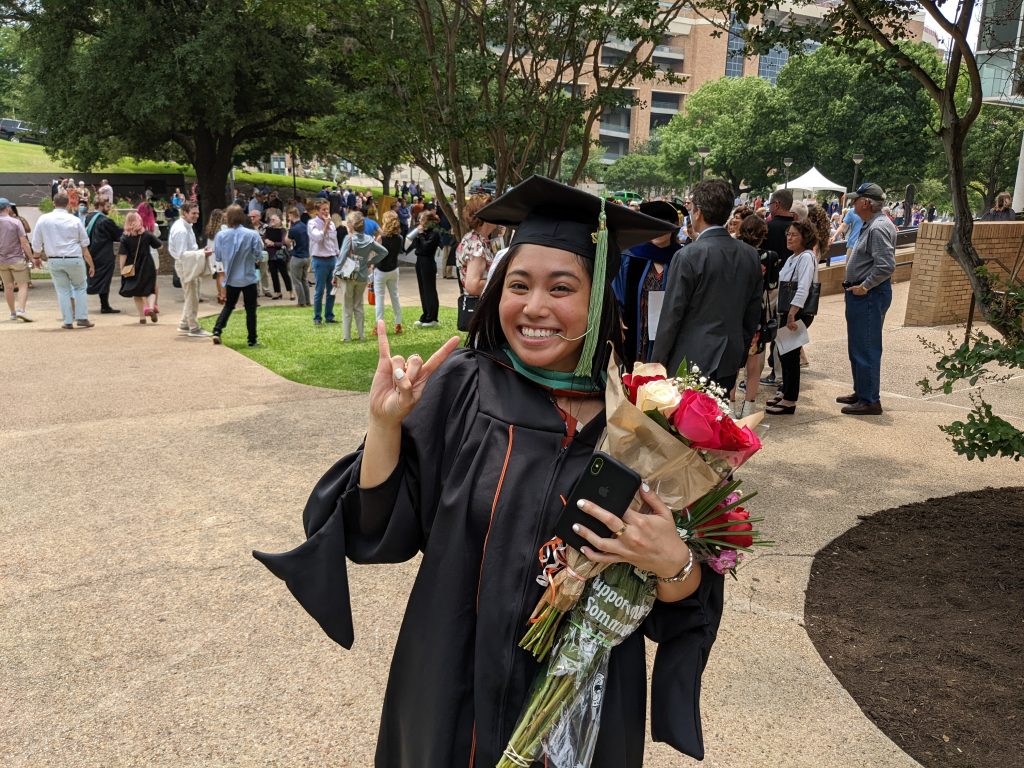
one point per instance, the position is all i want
(562, 716)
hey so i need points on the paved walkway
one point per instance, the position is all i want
(138, 468)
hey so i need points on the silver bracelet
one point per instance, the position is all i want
(681, 576)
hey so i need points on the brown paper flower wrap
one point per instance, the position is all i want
(676, 472)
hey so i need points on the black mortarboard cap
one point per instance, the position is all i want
(664, 210)
(546, 212)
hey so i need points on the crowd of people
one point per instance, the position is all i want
(339, 244)
(736, 289)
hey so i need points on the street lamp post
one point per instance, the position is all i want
(692, 161)
(703, 152)
(787, 161)
(295, 187)
(857, 160)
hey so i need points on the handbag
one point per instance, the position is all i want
(129, 269)
(787, 290)
(467, 305)
(347, 268)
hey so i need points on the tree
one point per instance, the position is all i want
(880, 112)
(846, 25)
(991, 151)
(638, 172)
(210, 82)
(737, 119)
(511, 84)
(11, 73)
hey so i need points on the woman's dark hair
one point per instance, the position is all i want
(753, 230)
(807, 233)
(485, 331)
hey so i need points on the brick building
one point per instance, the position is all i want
(691, 51)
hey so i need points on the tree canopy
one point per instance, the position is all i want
(213, 82)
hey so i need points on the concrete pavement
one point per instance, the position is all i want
(138, 468)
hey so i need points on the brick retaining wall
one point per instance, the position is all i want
(939, 291)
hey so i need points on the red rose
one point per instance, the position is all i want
(736, 535)
(633, 382)
(699, 419)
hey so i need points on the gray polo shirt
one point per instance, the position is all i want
(874, 258)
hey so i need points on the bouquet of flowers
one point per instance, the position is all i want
(680, 436)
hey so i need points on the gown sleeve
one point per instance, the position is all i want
(386, 524)
(684, 632)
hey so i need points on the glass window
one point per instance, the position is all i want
(734, 49)
(772, 62)
(1001, 19)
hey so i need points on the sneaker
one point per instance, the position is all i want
(419, 324)
(67, 326)
(332, 321)
(199, 333)
(85, 323)
(14, 315)
(216, 338)
(23, 317)
(255, 344)
(431, 324)
(317, 322)
(769, 380)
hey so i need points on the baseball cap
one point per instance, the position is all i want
(4, 203)
(867, 189)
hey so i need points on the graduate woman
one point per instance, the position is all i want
(465, 459)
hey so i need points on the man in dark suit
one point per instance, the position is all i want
(713, 294)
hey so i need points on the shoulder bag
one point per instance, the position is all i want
(467, 305)
(128, 270)
(787, 290)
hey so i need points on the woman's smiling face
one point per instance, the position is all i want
(546, 292)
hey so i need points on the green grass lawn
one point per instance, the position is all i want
(32, 158)
(297, 350)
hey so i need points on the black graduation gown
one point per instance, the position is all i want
(477, 491)
(104, 235)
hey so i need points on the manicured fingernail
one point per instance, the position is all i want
(646, 487)
(399, 374)
(580, 503)
(575, 527)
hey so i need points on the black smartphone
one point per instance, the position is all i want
(606, 482)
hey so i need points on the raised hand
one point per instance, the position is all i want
(398, 383)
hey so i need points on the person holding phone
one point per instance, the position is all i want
(468, 458)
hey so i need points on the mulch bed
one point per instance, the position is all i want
(925, 628)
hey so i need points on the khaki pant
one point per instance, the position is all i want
(189, 322)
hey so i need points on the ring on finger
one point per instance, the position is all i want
(621, 531)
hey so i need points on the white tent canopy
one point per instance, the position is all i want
(812, 182)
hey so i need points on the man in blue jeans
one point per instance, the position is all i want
(323, 248)
(868, 296)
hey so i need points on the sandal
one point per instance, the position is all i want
(780, 410)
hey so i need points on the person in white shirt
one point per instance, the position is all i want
(62, 238)
(106, 190)
(190, 264)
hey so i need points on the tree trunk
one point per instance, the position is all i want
(961, 245)
(212, 161)
(385, 172)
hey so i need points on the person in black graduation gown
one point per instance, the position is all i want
(464, 460)
(104, 234)
(643, 271)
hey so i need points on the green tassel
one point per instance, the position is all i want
(597, 291)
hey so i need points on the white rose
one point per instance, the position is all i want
(649, 369)
(659, 396)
